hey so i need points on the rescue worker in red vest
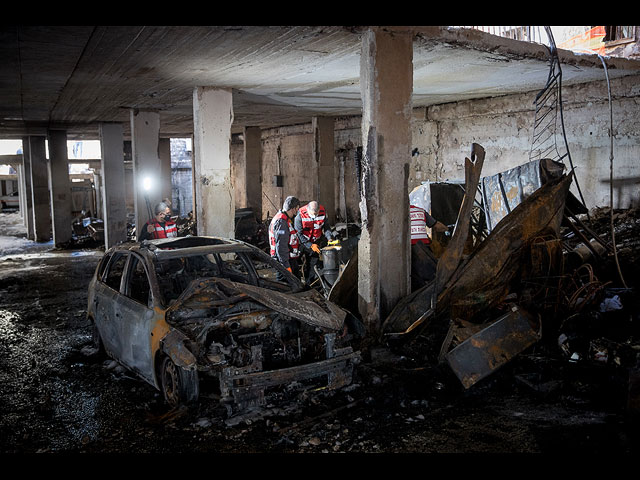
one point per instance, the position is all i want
(160, 226)
(420, 220)
(311, 225)
(283, 241)
(423, 261)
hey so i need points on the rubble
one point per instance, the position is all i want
(88, 231)
(406, 397)
(543, 280)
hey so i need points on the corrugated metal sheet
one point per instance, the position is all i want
(504, 191)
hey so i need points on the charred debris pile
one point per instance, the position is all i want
(546, 286)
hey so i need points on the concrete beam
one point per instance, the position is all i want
(113, 184)
(13, 160)
(145, 131)
(324, 155)
(40, 189)
(59, 188)
(386, 79)
(212, 119)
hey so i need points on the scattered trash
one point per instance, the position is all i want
(611, 304)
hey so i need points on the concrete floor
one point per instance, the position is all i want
(58, 397)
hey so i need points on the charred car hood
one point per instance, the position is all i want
(308, 306)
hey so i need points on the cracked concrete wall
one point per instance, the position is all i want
(504, 126)
(287, 152)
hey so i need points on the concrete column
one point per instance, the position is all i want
(212, 119)
(324, 154)
(28, 200)
(253, 169)
(386, 79)
(113, 184)
(60, 188)
(40, 189)
(147, 180)
(194, 203)
(21, 199)
(164, 153)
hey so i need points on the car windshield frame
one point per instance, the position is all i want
(247, 254)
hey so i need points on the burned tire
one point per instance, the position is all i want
(179, 386)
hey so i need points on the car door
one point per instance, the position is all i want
(105, 298)
(136, 317)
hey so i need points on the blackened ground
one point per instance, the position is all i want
(57, 396)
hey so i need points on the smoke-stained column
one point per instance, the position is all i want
(164, 153)
(147, 179)
(60, 188)
(324, 155)
(386, 79)
(40, 189)
(212, 119)
(27, 216)
(113, 184)
(253, 169)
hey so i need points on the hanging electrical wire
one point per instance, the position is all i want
(613, 235)
(549, 119)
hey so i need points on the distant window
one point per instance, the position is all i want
(116, 267)
(615, 33)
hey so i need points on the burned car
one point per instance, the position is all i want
(203, 313)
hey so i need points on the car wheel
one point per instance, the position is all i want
(179, 386)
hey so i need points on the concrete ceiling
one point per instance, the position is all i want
(75, 77)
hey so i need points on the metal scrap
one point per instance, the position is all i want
(476, 285)
(503, 191)
(492, 347)
(484, 277)
(308, 306)
(450, 260)
(173, 344)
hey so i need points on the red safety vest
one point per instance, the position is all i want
(312, 227)
(294, 250)
(418, 225)
(168, 231)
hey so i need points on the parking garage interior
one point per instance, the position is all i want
(226, 122)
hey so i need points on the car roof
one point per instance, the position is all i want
(184, 246)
